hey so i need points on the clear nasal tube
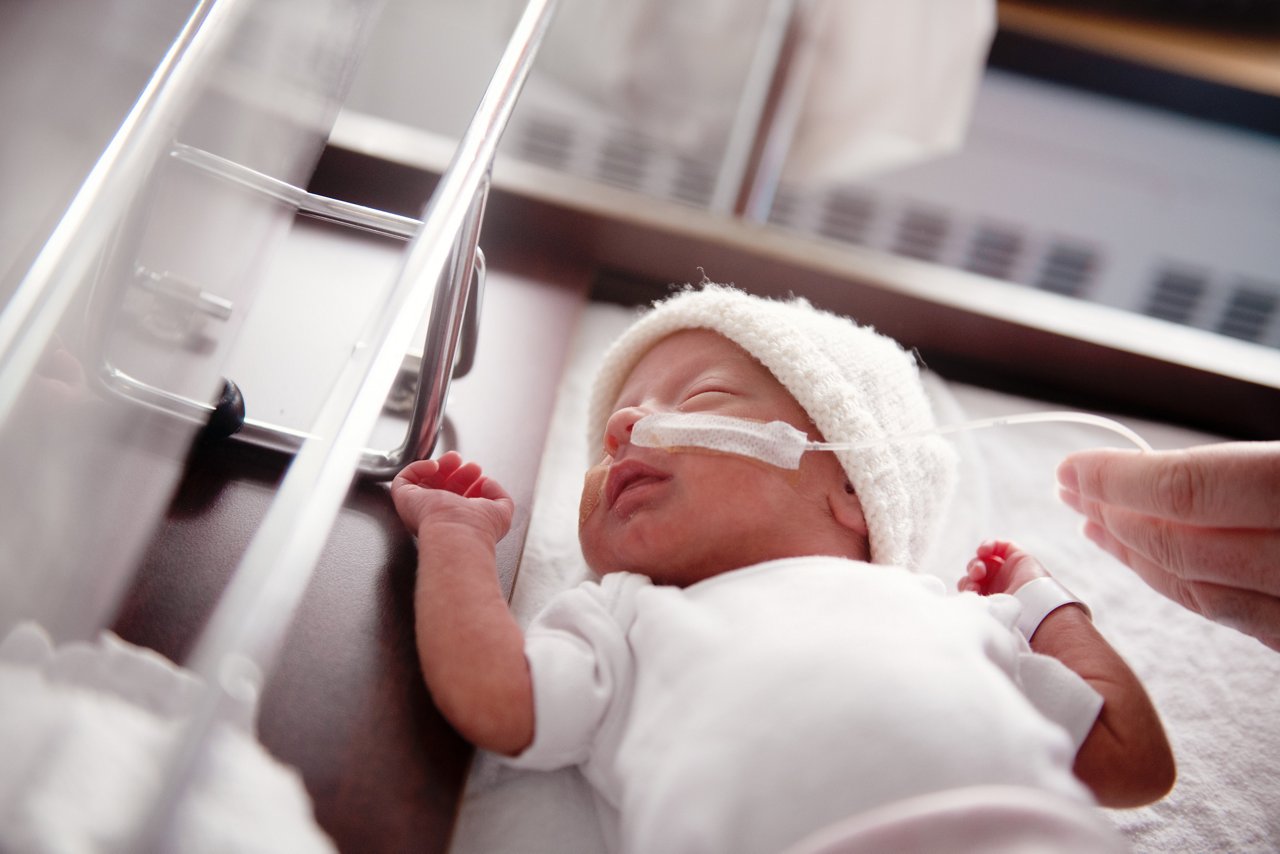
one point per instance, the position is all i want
(782, 445)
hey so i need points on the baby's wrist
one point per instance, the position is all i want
(1041, 597)
(434, 529)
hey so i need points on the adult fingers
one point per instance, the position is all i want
(1256, 614)
(1234, 484)
(1237, 557)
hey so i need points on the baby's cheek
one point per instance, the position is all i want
(592, 489)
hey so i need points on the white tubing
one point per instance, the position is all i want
(998, 421)
(780, 444)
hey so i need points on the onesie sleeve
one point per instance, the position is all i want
(1060, 694)
(1057, 691)
(580, 665)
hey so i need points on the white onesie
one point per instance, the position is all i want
(745, 711)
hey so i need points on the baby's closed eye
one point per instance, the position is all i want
(707, 394)
(709, 401)
(710, 393)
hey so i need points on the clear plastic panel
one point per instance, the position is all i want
(127, 267)
(115, 340)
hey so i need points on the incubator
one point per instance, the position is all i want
(243, 282)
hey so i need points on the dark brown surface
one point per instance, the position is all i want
(346, 704)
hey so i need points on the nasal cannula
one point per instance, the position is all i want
(779, 443)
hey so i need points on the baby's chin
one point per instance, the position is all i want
(597, 560)
(665, 572)
(603, 562)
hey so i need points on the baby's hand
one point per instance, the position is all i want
(1000, 567)
(448, 491)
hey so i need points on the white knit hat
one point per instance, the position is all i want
(853, 382)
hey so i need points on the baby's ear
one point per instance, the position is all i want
(847, 509)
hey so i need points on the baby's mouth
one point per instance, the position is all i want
(628, 475)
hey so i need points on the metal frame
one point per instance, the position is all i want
(768, 110)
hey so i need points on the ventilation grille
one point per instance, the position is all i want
(624, 161)
(1074, 266)
(612, 156)
(921, 234)
(786, 208)
(1248, 309)
(994, 252)
(847, 216)
(695, 181)
(547, 143)
(1249, 312)
(1176, 295)
(1068, 270)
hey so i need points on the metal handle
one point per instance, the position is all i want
(466, 356)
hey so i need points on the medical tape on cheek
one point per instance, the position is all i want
(592, 490)
(776, 442)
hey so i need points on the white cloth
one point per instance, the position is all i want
(879, 83)
(747, 710)
(971, 820)
(85, 730)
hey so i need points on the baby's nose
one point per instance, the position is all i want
(617, 430)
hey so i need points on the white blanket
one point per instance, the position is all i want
(1215, 688)
(86, 732)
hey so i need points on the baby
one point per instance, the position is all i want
(759, 658)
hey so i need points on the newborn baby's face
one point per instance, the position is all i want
(681, 517)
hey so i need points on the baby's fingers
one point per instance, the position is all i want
(416, 473)
(448, 465)
(463, 479)
(975, 573)
(493, 490)
(448, 473)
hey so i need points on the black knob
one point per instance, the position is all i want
(228, 413)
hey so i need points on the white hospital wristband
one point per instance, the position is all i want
(1040, 597)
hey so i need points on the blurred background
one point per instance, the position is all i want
(1124, 153)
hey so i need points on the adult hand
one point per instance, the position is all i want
(1200, 525)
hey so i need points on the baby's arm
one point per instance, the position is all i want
(471, 649)
(1125, 759)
